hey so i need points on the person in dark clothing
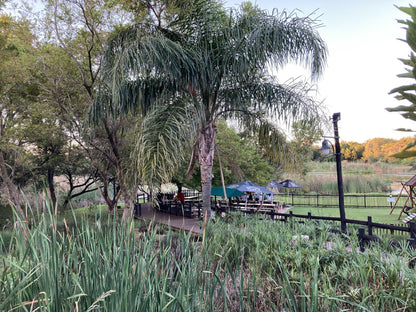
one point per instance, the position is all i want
(179, 196)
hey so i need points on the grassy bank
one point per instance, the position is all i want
(379, 215)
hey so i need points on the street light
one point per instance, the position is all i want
(325, 149)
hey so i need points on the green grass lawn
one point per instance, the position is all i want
(379, 215)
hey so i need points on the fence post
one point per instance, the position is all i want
(361, 234)
(292, 200)
(412, 239)
(370, 225)
(317, 200)
(412, 243)
(365, 202)
(412, 226)
(391, 230)
(309, 215)
(138, 209)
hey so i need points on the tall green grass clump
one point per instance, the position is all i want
(244, 264)
(101, 266)
(305, 267)
(109, 265)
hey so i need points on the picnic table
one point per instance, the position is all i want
(260, 207)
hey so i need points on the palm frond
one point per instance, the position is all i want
(285, 102)
(257, 39)
(140, 65)
(163, 143)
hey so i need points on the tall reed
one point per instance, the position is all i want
(245, 264)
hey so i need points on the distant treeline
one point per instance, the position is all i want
(377, 149)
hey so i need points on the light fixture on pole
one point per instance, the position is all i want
(325, 149)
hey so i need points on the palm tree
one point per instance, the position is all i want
(209, 64)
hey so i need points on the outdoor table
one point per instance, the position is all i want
(192, 198)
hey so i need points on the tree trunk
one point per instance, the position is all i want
(128, 206)
(206, 141)
(51, 187)
(13, 191)
(104, 190)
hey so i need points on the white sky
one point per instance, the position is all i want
(362, 39)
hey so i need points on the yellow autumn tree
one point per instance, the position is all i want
(375, 149)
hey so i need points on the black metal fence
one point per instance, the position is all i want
(350, 201)
(374, 230)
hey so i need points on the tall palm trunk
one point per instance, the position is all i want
(206, 140)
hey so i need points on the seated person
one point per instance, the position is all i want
(164, 199)
(179, 196)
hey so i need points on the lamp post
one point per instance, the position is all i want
(325, 150)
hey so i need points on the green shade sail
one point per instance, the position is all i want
(218, 191)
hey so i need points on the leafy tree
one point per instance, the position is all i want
(16, 96)
(240, 160)
(80, 29)
(375, 149)
(212, 65)
(305, 134)
(352, 150)
(407, 92)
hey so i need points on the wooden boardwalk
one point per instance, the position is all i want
(176, 222)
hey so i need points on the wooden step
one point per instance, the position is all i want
(410, 217)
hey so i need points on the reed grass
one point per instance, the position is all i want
(244, 264)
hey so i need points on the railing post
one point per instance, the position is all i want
(199, 211)
(361, 234)
(138, 209)
(412, 226)
(370, 225)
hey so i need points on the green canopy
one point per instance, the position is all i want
(218, 191)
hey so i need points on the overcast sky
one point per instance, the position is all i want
(362, 39)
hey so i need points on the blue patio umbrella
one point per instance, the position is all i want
(275, 184)
(248, 186)
(289, 184)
